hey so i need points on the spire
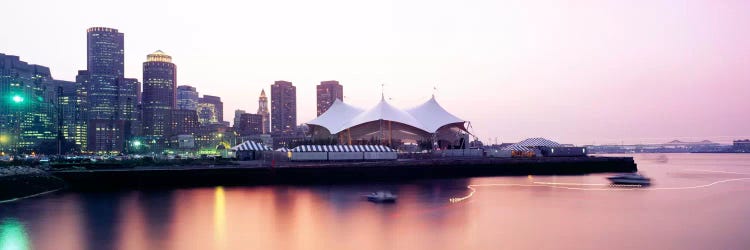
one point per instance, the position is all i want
(382, 91)
(263, 93)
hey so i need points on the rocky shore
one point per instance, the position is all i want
(18, 182)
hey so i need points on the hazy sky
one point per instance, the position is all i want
(573, 71)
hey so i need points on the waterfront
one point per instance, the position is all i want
(698, 201)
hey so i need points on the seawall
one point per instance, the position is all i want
(260, 173)
(21, 182)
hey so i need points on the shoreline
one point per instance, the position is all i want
(302, 173)
(24, 182)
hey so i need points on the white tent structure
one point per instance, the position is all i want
(249, 150)
(386, 123)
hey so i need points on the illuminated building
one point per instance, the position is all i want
(283, 107)
(327, 93)
(27, 105)
(187, 97)
(210, 110)
(105, 65)
(108, 95)
(263, 111)
(159, 92)
(184, 122)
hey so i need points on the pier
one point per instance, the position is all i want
(263, 173)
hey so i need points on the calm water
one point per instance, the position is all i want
(698, 201)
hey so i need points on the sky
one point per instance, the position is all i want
(581, 72)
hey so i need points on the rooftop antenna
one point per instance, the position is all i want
(434, 90)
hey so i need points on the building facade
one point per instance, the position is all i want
(107, 94)
(184, 122)
(210, 109)
(250, 124)
(237, 114)
(187, 97)
(263, 111)
(283, 107)
(28, 112)
(159, 92)
(327, 93)
(105, 65)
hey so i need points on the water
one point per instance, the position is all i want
(698, 201)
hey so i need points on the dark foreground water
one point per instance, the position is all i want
(698, 201)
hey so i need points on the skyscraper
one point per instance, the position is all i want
(105, 65)
(210, 110)
(108, 95)
(263, 111)
(187, 97)
(159, 91)
(27, 105)
(328, 92)
(283, 107)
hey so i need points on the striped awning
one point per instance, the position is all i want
(282, 149)
(538, 142)
(251, 146)
(342, 148)
(516, 147)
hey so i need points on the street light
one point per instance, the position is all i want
(17, 99)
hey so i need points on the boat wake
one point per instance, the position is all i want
(595, 186)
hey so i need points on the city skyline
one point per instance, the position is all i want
(619, 92)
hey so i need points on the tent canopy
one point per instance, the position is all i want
(428, 117)
(251, 146)
(342, 148)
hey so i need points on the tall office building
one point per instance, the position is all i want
(210, 110)
(328, 92)
(263, 111)
(105, 65)
(187, 97)
(108, 95)
(27, 106)
(283, 107)
(159, 92)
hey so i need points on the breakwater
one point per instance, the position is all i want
(262, 173)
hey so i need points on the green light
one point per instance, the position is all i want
(13, 235)
(136, 143)
(17, 99)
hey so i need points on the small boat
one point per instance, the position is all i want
(630, 179)
(382, 196)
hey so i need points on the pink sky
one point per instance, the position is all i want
(573, 71)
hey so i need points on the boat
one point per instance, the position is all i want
(382, 196)
(630, 179)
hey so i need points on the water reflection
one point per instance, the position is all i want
(13, 235)
(220, 219)
(515, 215)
